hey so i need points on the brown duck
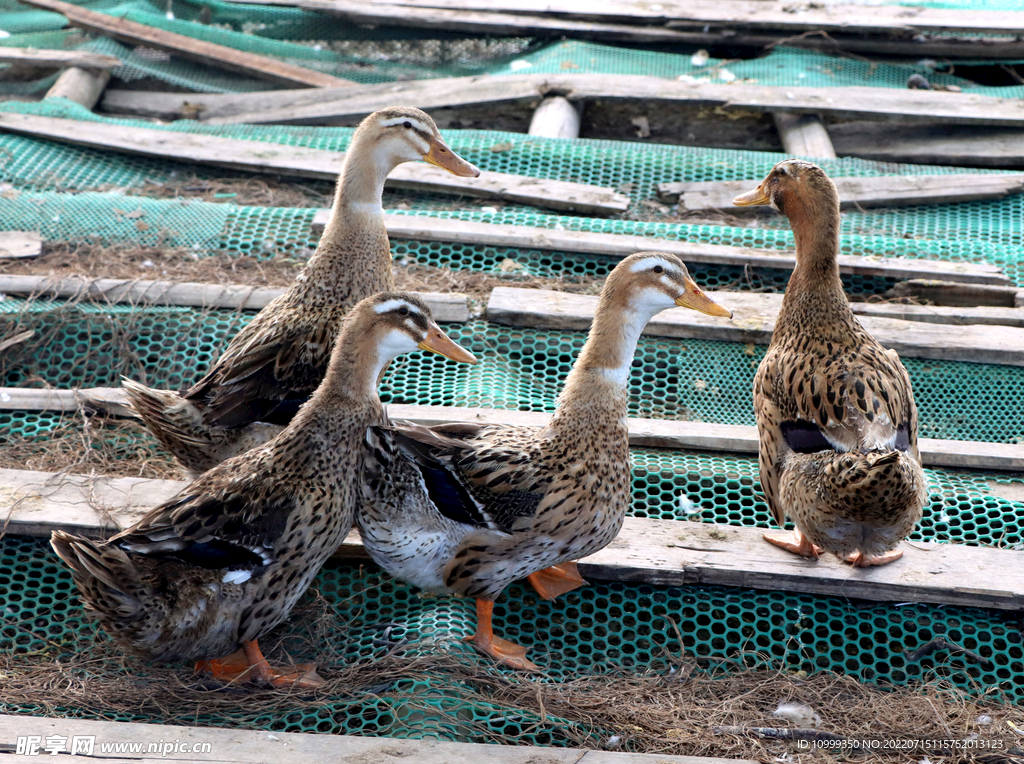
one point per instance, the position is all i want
(275, 363)
(835, 410)
(223, 562)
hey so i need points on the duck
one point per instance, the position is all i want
(276, 362)
(213, 569)
(467, 508)
(836, 418)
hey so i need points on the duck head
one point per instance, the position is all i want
(405, 134)
(653, 281)
(793, 185)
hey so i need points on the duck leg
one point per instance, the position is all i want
(860, 560)
(556, 580)
(249, 663)
(794, 542)
(501, 650)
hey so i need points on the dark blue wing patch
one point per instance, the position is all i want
(805, 437)
(902, 437)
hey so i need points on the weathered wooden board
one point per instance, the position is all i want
(417, 228)
(452, 307)
(278, 159)
(15, 244)
(55, 59)
(955, 145)
(643, 433)
(760, 14)
(753, 321)
(956, 293)
(343, 106)
(238, 746)
(83, 86)
(663, 552)
(804, 135)
(883, 191)
(207, 53)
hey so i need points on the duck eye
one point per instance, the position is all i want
(407, 125)
(403, 311)
(658, 269)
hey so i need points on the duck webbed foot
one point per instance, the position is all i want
(860, 560)
(556, 580)
(795, 542)
(502, 651)
(249, 664)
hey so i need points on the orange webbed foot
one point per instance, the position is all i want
(556, 580)
(861, 560)
(794, 542)
(504, 653)
(248, 664)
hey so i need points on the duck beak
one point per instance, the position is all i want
(441, 156)
(438, 342)
(695, 299)
(751, 198)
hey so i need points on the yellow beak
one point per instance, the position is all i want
(441, 156)
(749, 199)
(440, 343)
(695, 299)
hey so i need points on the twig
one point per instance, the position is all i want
(940, 644)
(779, 733)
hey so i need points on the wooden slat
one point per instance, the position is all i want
(208, 53)
(955, 145)
(661, 552)
(239, 746)
(804, 135)
(278, 159)
(956, 294)
(643, 433)
(753, 321)
(15, 244)
(451, 307)
(83, 86)
(416, 228)
(760, 14)
(337, 106)
(883, 191)
(56, 59)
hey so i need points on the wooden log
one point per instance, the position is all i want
(883, 191)
(556, 117)
(208, 53)
(753, 321)
(956, 294)
(57, 59)
(643, 433)
(955, 145)
(804, 135)
(416, 228)
(446, 308)
(16, 244)
(238, 746)
(658, 552)
(83, 86)
(345, 106)
(278, 159)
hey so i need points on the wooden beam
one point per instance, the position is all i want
(345, 106)
(804, 135)
(208, 53)
(417, 228)
(83, 86)
(955, 145)
(753, 321)
(57, 59)
(883, 191)
(556, 117)
(446, 308)
(278, 159)
(643, 433)
(239, 746)
(16, 244)
(956, 294)
(659, 552)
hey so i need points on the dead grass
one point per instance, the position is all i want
(264, 191)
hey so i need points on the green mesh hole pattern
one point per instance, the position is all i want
(591, 630)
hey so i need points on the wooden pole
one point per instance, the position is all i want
(556, 117)
(804, 135)
(82, 86)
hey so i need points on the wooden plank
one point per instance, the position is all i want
(955, 145)
(660, 552)
(416, 228)
(941, 314)
(239, 746)
(883, 191)
(15, 244)
(83, 86)
(753, 321)
(759, 14)
(278, 159)
(207, 53)
(449, 308)
(804, 135)
(344, 106)
(57, 59)
(643, 433)
(556, 117)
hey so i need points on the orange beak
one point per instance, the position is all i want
(695, 299)
(751, 198)
(440, 343)
(441, 156)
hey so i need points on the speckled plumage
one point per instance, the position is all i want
(835, 410)
(470, 508)
(225, 560)
(275, 362)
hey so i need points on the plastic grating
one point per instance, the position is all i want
(592, 630)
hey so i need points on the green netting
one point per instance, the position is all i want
(589, 631)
